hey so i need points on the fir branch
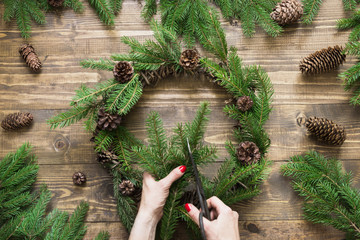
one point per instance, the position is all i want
(69, 117)
(124, 96)
(170, 217)
(76, 223)
(76, 5)
(351, 76)
(250, 13)
(349, 4)
(85, 94)
(157, 137)
(103, 9)
(126, 207)
(116, 5)
(196, 129)
(103, 236)
(22, 213)
(149, 9)
(329, 198)
(103, 140)
(311, 9)
(101, 64)
(216, 42)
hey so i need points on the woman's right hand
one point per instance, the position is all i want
(224, 221)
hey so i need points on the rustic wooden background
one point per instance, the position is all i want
(68, 37)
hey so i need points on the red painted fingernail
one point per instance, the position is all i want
(182, 168)
(187, 207)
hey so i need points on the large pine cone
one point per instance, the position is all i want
(189, 59)
(244, 103)
(108, 121)
(126, 188)
(16, 120)
(326, 130)
(28, 54)
(56, 3)
(248, 153)
(107, 157)
(287, 11)
(322, 61)
(123, 72)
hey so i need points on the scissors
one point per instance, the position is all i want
(204, 211)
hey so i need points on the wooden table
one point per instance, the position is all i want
(68, 37)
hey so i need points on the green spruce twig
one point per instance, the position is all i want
(23, 212)
(329, 198)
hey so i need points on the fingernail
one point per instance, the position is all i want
(182, 168)
(187, 207)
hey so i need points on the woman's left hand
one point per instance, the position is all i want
(155, 193)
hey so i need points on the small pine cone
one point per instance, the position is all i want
(248, 153)
(323, 61)
(123, 72)
(106, 157)
(326, 130)
(244, 103)
(287, 11)
(126, 188)
(56, 3)
(16, 120)
(79, 178)
(107, 121)
(189, 59)
(28, 54)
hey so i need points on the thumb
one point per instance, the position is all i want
(174, 175)
(194, 214)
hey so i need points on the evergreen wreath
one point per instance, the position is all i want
(24, 11)
(23, 212)
(329, 198)
(103, 106)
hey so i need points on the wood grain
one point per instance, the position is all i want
(68, 38)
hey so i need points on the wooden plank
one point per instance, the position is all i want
(276, 202)
(68, 38)
(257, 230)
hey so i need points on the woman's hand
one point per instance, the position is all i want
(224, 221)
(154, 194)
(153, 198)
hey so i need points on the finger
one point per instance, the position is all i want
(148, 177)
(174, 175)
(194, 214)
(213, 215)
(216, 204)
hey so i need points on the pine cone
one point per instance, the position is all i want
(126, 187)
(123, 72)
(28, 54)
(244, 103)
(107, 121)
(79, 178)
(323, 60)
(287, 11)
(326, 130)
(16, 120)
(189, 59)
(248, 153)
(56, 3)
(107, 157)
